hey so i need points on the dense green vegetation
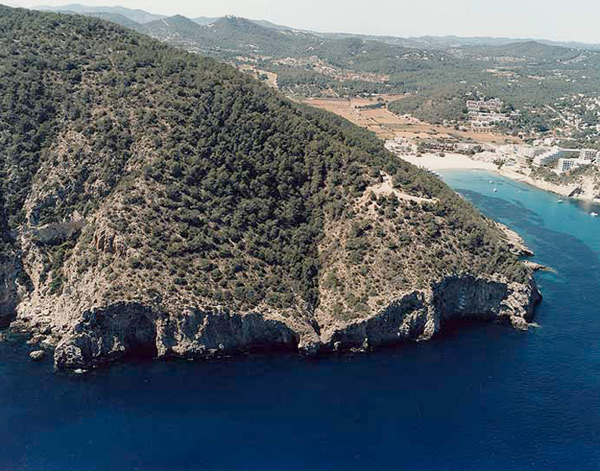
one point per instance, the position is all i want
(306, 82)
(440, 74)
(194, 180)
(230, 36)
(529, 76)
(448, 104)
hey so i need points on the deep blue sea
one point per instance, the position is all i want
(480, 397)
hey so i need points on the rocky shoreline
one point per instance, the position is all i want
(120, 331)
(579, 191)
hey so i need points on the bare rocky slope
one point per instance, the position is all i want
(582, 183)
(158, 203)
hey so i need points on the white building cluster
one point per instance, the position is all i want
(401, 145)
(566, 159)
(554, 157)
(488, 106)
(483, 114)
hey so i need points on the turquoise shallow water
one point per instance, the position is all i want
(479, 397)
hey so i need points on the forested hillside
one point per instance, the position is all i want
(136, 174)
(230, 36)
(542, 81)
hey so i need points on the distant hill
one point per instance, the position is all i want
(203, 20)
(447, 42)
(231, 34)
(362, 54)
(114, 18)
(528, 50)
(439, 72)
(268, 24)
(421, 42)
(444, 42)
(177, 30)
(451, 42)
(137, 16)
(572, 44)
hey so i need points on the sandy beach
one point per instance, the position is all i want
(452, 161)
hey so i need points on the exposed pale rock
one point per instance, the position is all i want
(37, 355)
(120, 330)
(537, 266)
(420, 315)
(515, 241)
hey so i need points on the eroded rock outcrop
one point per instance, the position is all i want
(104, 335)
(421, 314)
(10, 287)
(124, 330)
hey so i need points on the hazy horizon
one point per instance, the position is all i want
(518, 19)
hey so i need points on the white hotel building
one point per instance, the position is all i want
(567, 159)
(589, 155)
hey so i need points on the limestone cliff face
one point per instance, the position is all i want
(123, 330)
(582, 183)
(381, 281)
(421, 314)
(87, 324)
(8, 290)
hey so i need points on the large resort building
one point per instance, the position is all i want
(566, 159)
(551, 156)
(526, 154)
(557, 158)
(564, 165)
(589, 155)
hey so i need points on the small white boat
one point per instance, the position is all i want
(495, 190)
(594, 215)
(491, 181)
(560, 201)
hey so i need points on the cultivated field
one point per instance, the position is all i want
(388, 125)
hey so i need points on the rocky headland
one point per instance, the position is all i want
(156, 203)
